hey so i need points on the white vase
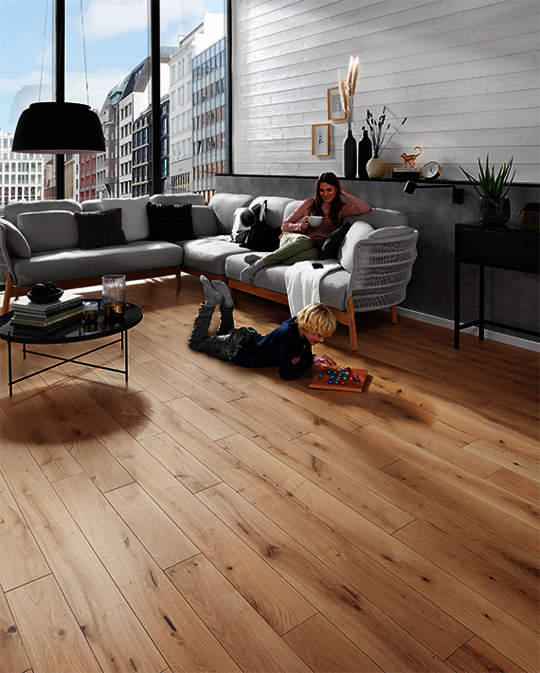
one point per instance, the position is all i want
(376, 167)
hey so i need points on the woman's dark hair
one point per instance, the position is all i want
(337, 203)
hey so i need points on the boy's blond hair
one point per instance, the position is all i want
(317, 319)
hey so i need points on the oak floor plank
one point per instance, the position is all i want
(476, 656)
(244, 634)
(516, 483)
(51, 635)
(324, 648)
(522, 535)
(164, 541)
(501, 456)
(21, 560)
(179, 462)
(429, 580)
(182, 639)
(98, 463)
(504, 590)
(13, 656)
(341, 486)
(438, 453)
(368, 627)
(114, 634)
(281, 606)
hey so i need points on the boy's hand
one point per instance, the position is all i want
(323, 361)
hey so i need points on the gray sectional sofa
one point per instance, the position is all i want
(39, 241)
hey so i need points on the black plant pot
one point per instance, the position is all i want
(349, 156)
(494, 212)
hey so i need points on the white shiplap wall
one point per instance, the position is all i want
(464, 72)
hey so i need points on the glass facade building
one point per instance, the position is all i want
(209, 91)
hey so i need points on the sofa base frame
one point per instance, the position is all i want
(343, 317)
(11, 291)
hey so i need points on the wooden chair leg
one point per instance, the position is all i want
(352, 325)
(178, 279)
(7, 294)
(393, 315)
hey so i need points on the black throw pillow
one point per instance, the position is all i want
(170, 222)
(331, 246)
(100, 228)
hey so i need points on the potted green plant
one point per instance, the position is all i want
(494, 204)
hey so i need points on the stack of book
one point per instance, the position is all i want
(42, 319)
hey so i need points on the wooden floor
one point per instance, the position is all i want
(205, 517)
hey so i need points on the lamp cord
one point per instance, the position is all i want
(84, 54)
(43, 50)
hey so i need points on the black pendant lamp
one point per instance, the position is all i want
(58, 128)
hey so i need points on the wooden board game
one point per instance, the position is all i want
(340, 378)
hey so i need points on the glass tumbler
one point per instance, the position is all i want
(113, 296)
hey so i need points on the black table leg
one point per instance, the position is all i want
(481, 287)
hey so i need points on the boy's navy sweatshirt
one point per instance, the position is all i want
(278, 348)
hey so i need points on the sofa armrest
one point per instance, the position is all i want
(381, 217)
(6, 265)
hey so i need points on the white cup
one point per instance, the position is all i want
(315, 220)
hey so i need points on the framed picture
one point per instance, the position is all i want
(335, 109)
(320, 139)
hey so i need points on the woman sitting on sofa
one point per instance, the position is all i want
(300, 241)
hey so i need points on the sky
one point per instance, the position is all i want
(116, 39)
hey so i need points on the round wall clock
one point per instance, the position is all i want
(431, 170)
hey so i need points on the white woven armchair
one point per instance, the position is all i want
(379, 262)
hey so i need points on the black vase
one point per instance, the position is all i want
(365, 152)
(494, 212)
(349, 156)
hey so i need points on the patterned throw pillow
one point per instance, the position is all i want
(170, 222)
(100, 228)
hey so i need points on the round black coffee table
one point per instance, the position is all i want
(75, 332)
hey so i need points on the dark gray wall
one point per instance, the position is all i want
(511, 298)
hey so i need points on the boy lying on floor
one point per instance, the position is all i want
(287, 347)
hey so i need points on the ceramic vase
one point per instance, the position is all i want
(349, 156)
(376, 167)
(365, 152)
(494, 212)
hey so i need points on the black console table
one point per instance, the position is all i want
(496, 247)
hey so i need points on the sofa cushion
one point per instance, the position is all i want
(210, 254)
(188, 197)
(224, 206)
(17, 244)
(330, 248)
(204, 221)
(12, 210)
(333, 287)
(49, 230)
(92, 204)
(358, 232)
(134, 217)
(170, 222)
(78, 263)
(101, 228)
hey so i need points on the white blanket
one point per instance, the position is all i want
(302, 282)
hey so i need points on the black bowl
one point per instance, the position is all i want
(44, 298)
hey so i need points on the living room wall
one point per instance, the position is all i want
(463, 72)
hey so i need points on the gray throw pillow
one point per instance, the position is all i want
(49, 230)
(100, 228)
(17, 244)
